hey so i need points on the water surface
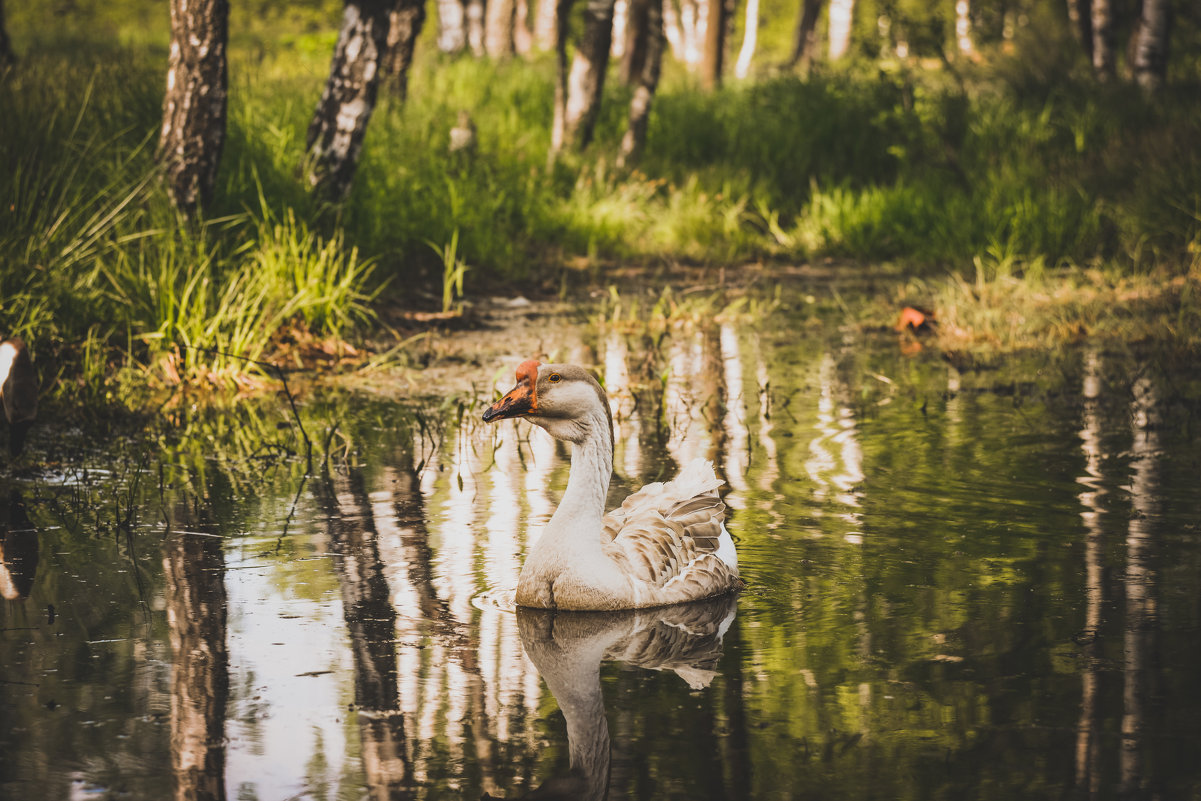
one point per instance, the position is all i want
(961, 585)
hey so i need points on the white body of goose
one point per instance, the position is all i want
(666, 544)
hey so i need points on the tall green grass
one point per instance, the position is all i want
(1018, 158)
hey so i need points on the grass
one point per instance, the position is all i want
(1015, 178)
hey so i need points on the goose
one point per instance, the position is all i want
(18, 392)
(666, 544)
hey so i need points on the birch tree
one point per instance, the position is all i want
(339, 126)
(544, 24)
(194, 106)
(841, 14)
(963, 27)
(452, 26)
(750, 34)
(804, 40)
(578, 94)
(713, 60)
(405, 21)
(645, 82)
(475, 27)
(1102, 25)
(499, 18)
(1151, 45)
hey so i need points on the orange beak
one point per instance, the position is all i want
(521, 399)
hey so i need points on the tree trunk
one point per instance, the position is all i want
(544, 24)
(672, 30)
(499, 16)
(713, 60)
(1080, 15)
(336, 134)
(194, 572)
(452, 27)
(405, 22)
(523, 37)
(743, 67)
(963, 27)
(1151, 48)
(841, 14)
(193, 131)
(804, 40)
(692, 20)
(475, 27)
(651, 46)
(586, 81)
(7, 56)
(621, 28)
(636, 39)
(1102, 23)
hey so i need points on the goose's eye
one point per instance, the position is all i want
(554, 378)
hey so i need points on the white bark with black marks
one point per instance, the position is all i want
(194, 106)
(405, 22)
(1103, 34)
(581, 96)
(1151, 46)
(339, 126)
(650, 45)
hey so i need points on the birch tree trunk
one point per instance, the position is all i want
(636, 39)
(651, 45)
(713, 60)
(475, 27)
(194, 572)
(586, 81)
(841, 14)
(499, 18)
(7, 56)
(1151, 47)
(751, 32)
(1102, 24)
(963, 27)
(804, 41)
(672, 30)
(1080, 15)
(452, 26)
(405, 22)
(339, 126)
(193, 131)
(523, 37)
(621, 28)
(544, 24)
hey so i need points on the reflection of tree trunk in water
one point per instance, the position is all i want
(194, 568)
(737, 743)
(409, 505)
(1087, 751)
(371, 623)
(713, 390)
(1140, 585)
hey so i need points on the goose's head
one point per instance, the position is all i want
(565, 399)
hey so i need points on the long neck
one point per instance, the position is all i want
(583, 505)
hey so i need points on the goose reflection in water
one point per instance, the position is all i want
(568, 648)
(18, 549)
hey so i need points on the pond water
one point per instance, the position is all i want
(961, 584)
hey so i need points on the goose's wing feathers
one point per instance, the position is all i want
(663, 532)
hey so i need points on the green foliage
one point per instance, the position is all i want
(925, 162)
